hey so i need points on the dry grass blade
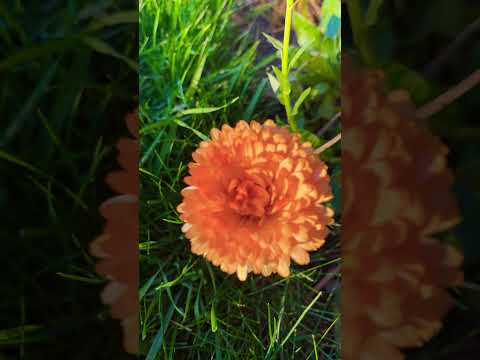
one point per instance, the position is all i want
(329, 124)
(450, 96)
(329, 144)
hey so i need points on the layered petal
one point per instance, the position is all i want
(256, 199)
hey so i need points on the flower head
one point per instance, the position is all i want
(117, 246)
(255, 200)
(397, 196)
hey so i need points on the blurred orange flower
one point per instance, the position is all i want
(117, 246)
(396, 196)
(255, 200)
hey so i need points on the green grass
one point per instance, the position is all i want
(199, 71)
(63, 97)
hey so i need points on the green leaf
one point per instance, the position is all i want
(171, 283)
(122, 17)
(30, 104)
(159, 337)
(213, 319)
(372, 12)
(330, 8)
(195, 131)
(300, 318)
(146, 287)
(300, 100)
(320, 69)
(205, 110)
(104, 48)
(310, 137)
(38, 51)
(277, 44)
(10, 158)
(274, 83)
(15, 335)
(284, 83)
(321, 88)
(297, 56)
(253, 102)
(80, 278)
(198, 71)
(307, 32)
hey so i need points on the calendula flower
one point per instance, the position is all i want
(397, 196)
(117, 246)
(255, 200)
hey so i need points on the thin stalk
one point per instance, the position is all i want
(450, 96)
(329, 144)
(285, 65)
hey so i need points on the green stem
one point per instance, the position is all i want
(285, 65)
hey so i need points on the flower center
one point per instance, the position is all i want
(248, 198)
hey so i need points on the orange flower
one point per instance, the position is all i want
(397, 195)
(117, 247)
(255, 200)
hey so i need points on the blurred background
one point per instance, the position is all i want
(427, 48)
(68, 74)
